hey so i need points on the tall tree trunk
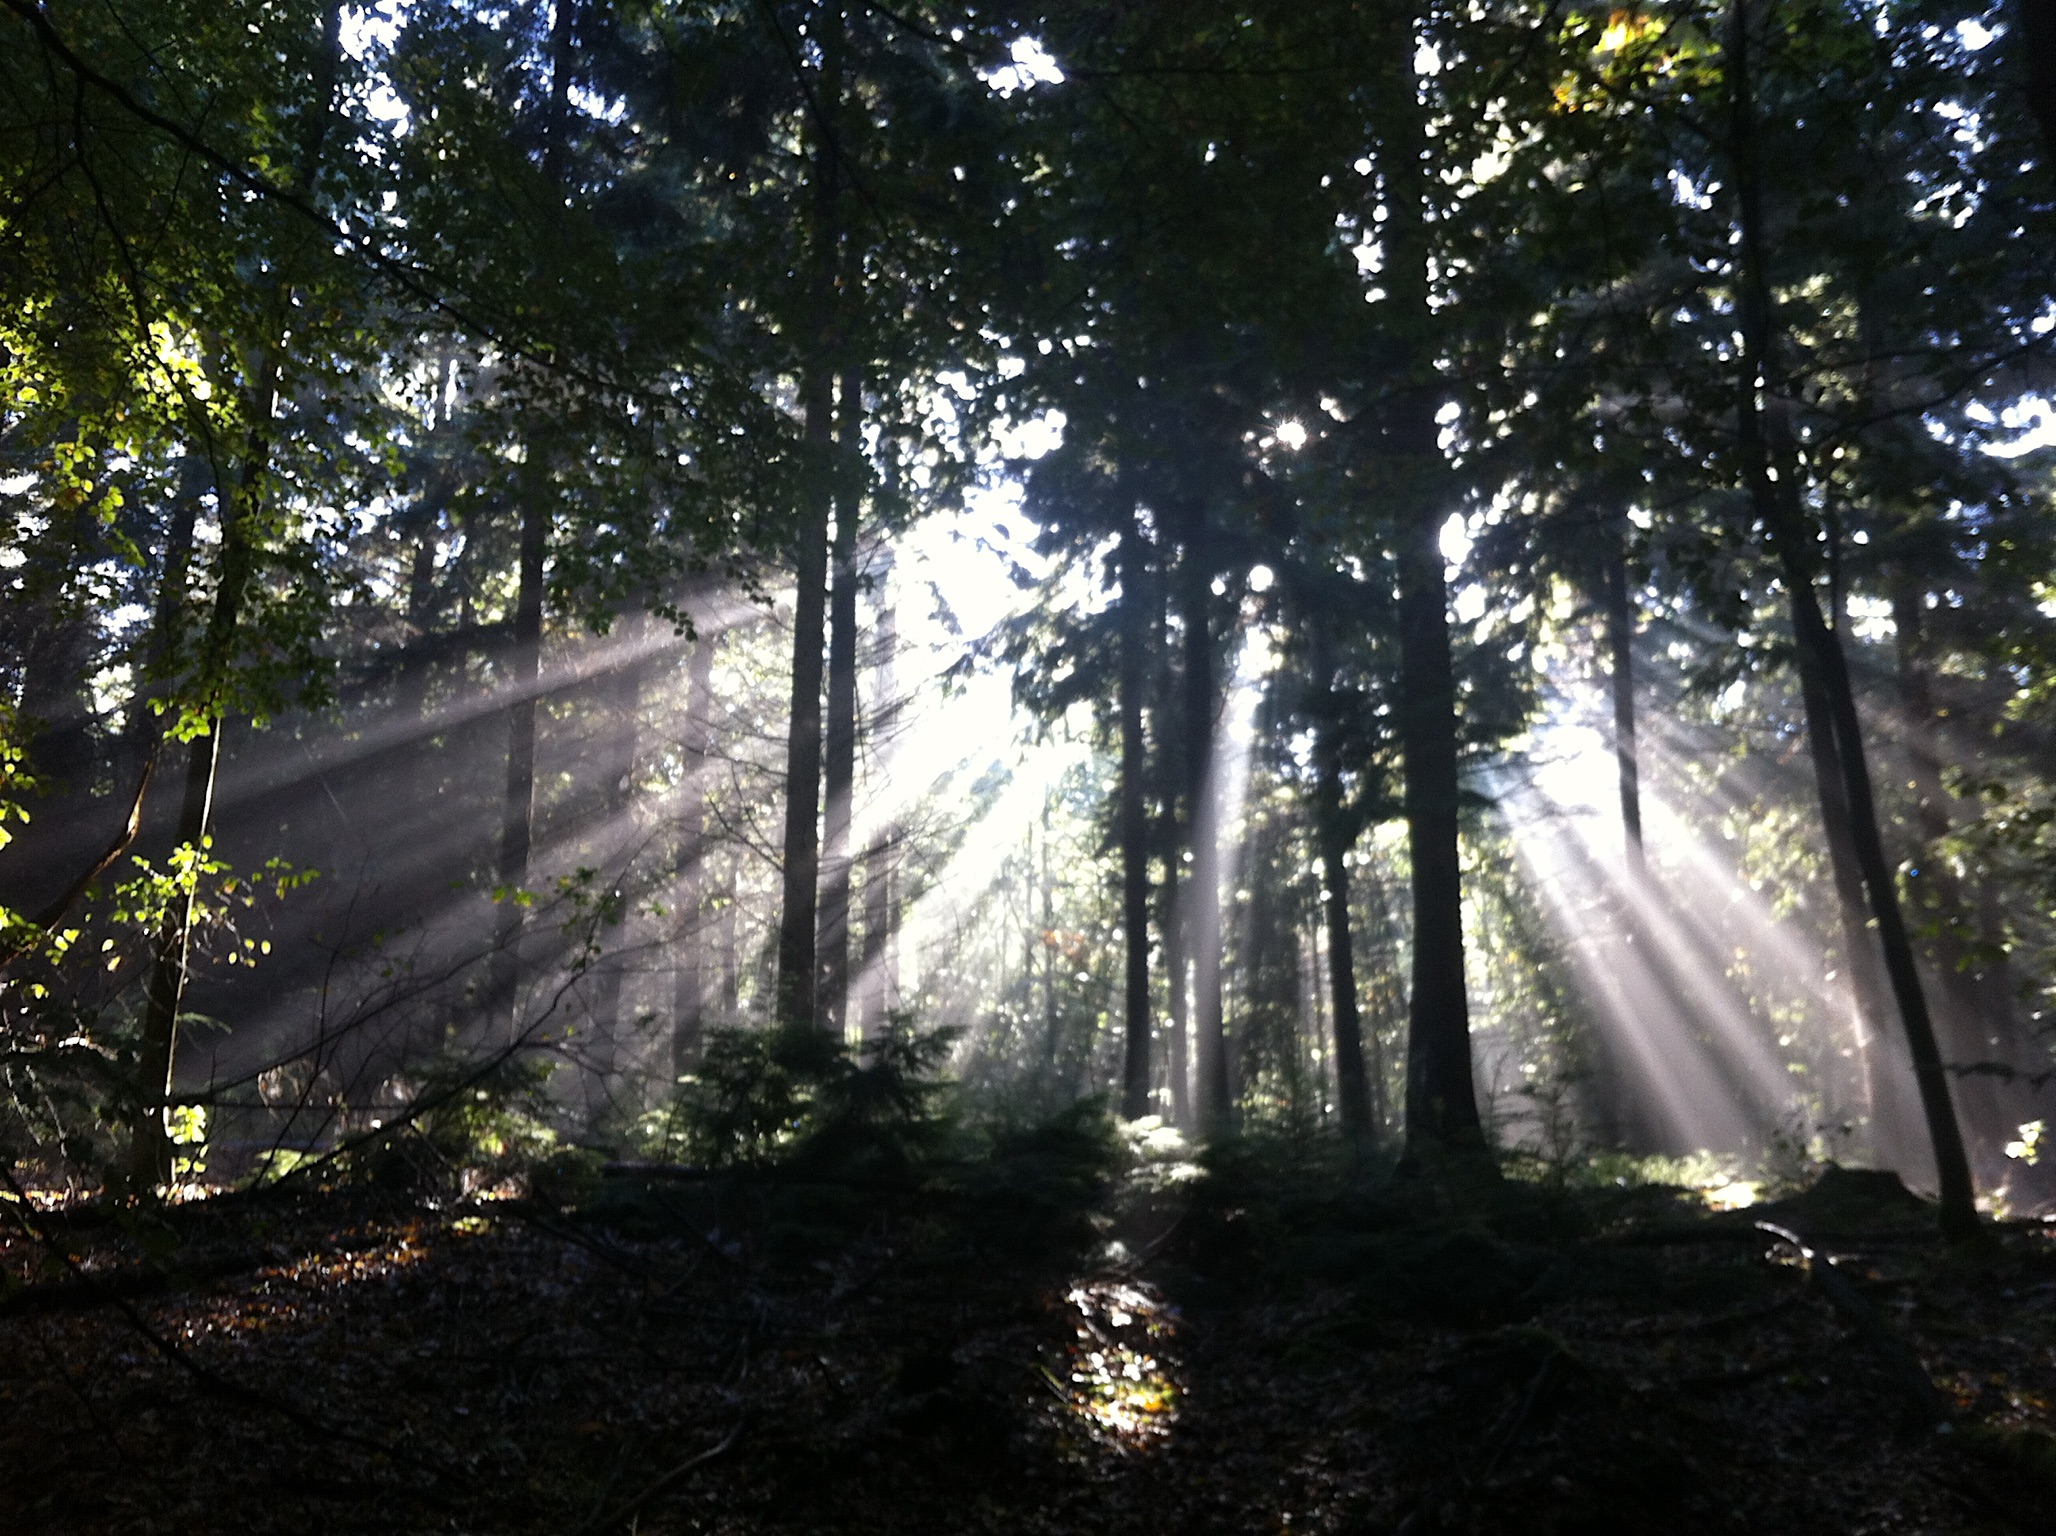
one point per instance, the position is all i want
(150, 1144)
(1134, 827)
(1441, 1101)
(1931, 885)
(797, 990)
(517, 801)
(801, 879)
(1870, 992)
(619, 698)
(877, 979)
(1868, 988)
(410, 691)
(145, 729)
(833, 938)
(1332, 832)
(1777, 505)
(689, 983)
(1977, 1019)
(1620, 637)
(727, 898)
(1050, 947)
(1172, 918)
(1385, 1001)
(150, 1154)
(1203, 897)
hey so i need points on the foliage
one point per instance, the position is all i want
(70, 1011)
(796, 1097)
(465, 1126)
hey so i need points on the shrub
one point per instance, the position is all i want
(796, 1096)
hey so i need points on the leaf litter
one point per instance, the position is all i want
(1296, 1356)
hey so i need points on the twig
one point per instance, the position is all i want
(1712, 1324)
(206, 1376)
(1503, 1434)
(85, 1291)
(663, 1483)
(1923, 1402)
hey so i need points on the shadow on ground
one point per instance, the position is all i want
(1284, 1339)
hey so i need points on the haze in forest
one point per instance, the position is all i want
(1473, 582)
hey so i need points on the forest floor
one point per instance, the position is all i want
(1259, 1347)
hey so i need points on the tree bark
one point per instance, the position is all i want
(1930, 883)
(877, 979)
(517, 804)
(619, 698)
(1051, 947)
(797, 987)
(689, 995)
(1172, 918)
(801, 879)
(1777, 505)
(1977, 1020)
(150, 1146)
(1203, 899)
(1134, 828)
(1620, 638)
(1441, 1101)
(1332, 831)
(517, 801)
(840, 769)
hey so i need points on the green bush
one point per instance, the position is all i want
(796, 1097)
(468, 1125)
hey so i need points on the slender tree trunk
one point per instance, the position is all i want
(1869, 990)
(1333, 833)
(1977, 1021)
(150, 1155)
(1620, 637)
(1172, 916)
(801, 883)
(1051, 947)
(1134, 829)
(619, 698)
(517, 801)
(144, 730)
(833, 938)
(161, 656)
(877, 982)
(150, 1148)
(877, 989)
(1930, 883)
(1385, 1003)
(1441, 1101)
(1441, 1105)
(410, 692)
(1868, 987)
(1776, 504)
(1203, 899)
(689, 999)
(731, 951)
(150, 1158)
(1317, 1009)
(797, 1000)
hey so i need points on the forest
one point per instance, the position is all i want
(805, 765)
